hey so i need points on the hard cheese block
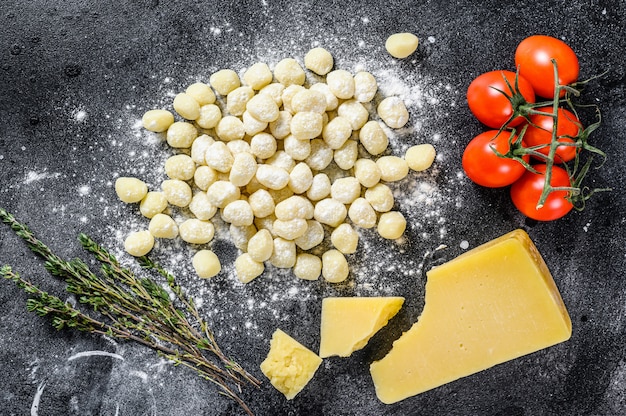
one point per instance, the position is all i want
(289, 365)
(348, 323)
(492, 304)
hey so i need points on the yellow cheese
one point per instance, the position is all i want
(349, 323)
(289, 365)
(492, 304)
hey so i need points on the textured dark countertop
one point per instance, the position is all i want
(76, 77)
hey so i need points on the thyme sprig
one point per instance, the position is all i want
(128, 307)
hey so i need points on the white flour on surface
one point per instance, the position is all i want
(33, 176)
(378, 268)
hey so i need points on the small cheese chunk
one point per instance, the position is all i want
(349, 323)
(289, 365)
(492, 304)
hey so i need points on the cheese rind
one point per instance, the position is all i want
(492, 304)
(289, 365)
(348, 323)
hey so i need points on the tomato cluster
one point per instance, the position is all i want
(521, 109)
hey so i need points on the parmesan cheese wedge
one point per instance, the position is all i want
(492, 304)
(289, 365)
(348, 323)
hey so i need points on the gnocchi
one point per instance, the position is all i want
(224, 81)
(153, 203)
(259, 157)
(261, 246)
(335, 267)
(201, 92)
(206, 264)
(393, 112)
(420, 157)
(130, 190)
(139, 243)
(307, 267)
(157, 120)
(248, 269)
(186, 106)
(196, 231)
(258, 76)
(391, 225)
(163, 226)
(319, 60)
(289, 72)
(181, 134)
(401, 45)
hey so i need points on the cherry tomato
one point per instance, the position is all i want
(526, 192)
(486, 168)
(539, 132)
(489, 105)
(533, 58)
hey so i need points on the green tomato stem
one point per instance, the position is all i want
(554, 142)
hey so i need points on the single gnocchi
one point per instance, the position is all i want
(362, 214)
(335, 267)
(261, 246)
(157, 120)
(130, 190)
(247, 269)
(139, 243)
(258, 76)
(153, 203)
(180, 167)
(373, 138)
(238, 213)
(284, 254)
(420, 157)
(319, 60)
(177, 192)
(307, 267)
(329, 211)
(393, 112)
(392, 168)
(345, 238)
(224, 81)
(206, 264)
(163, 226)
(341, 83)
(196, 231)
(289, 72)
(365, 87)
(186, 106)
(401, 45)
(391, 225)
(181, 134)
(201, 92)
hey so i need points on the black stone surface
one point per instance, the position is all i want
(75, 78)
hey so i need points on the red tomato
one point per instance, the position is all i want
(489, 105)
(533, 58)
(526, 192)
(539, 132)
(484, 167)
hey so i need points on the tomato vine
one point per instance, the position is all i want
(549, 132)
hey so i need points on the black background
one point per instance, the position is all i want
(75, 78)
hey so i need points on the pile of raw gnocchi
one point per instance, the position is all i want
(282, 162)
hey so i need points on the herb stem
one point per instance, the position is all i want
(130, 308)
